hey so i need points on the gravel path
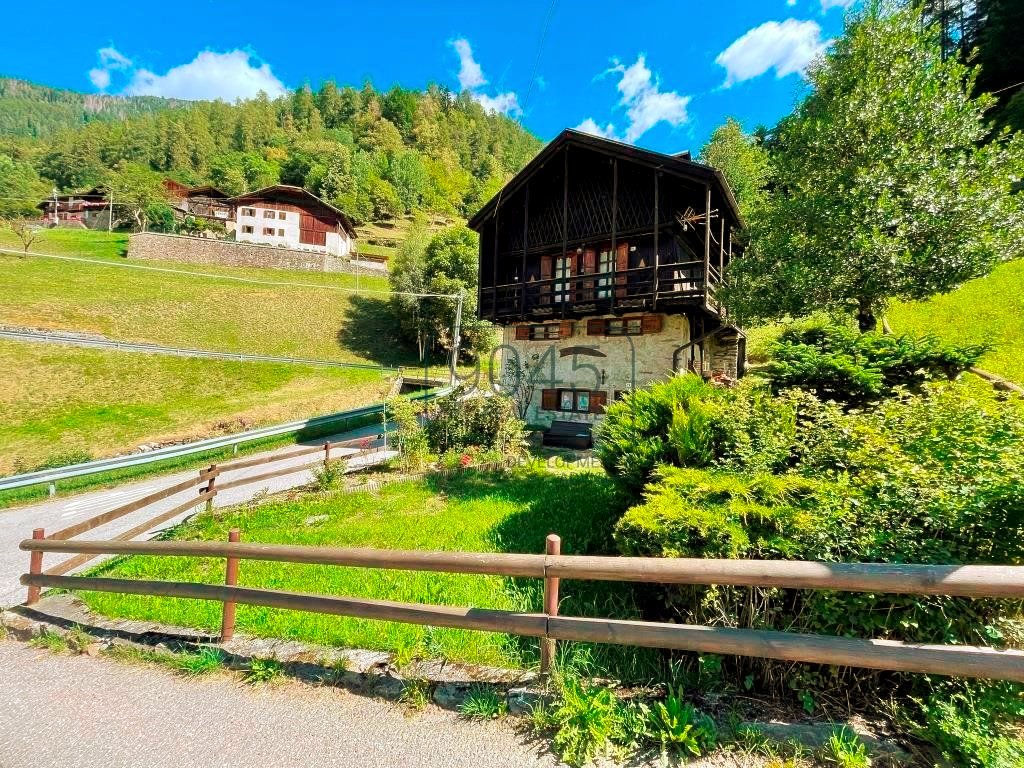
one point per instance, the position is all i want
(82, 711)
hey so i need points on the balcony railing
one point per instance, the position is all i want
(595, 293)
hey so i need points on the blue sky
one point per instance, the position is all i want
(658, 74)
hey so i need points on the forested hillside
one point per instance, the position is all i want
(35, 111)
(374, 154)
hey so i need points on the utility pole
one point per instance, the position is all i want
(357, 269)
(456, 338)
(55, 217)
(110, 219)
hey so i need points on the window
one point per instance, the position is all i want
(281, 215)
(268, 214)
(268, 231)
(574, 400)
(248, 212)
(626, 326)
(280, 233)
(604, 267)
(247, 229)
(551, 331)
(563, 269)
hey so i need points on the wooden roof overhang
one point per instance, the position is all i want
(679, 166)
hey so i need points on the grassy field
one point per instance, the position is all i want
(372, 235)
(470, 512)
(58, 400)
(988, 310)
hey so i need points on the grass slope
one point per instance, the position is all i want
(990, 309)
(56, 400)
(471, 512)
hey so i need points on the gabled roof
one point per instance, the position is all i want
(680, 165)
(206, 191)
(284, 191)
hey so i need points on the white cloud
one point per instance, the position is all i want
(230, 75)
(826, 4)
(471, 78)
(646, 104)
(590, 126)
(787, 46)
(791, 3)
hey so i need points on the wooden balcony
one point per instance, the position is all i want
(667, 288)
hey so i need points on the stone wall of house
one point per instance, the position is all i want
(201, 250)
(609, 364)
(723, 354)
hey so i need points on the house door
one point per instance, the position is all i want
(309, 233)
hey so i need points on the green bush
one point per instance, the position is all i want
(837, 363)
(931, 477)
(458, 421)
(686, 422)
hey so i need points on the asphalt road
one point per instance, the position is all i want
(17, 524)
(98, 713)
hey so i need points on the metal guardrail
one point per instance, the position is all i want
(138, 346)
(44, 476)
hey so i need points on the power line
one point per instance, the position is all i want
(540, 50)
(249, 280)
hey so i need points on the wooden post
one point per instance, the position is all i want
(210, 487)
(615, 224)
(657, 256)
(707, 241)
(553, 546)
(327, 454)
(227, 624)
(35, 567)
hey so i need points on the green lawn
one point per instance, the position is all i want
(56, 400)
(470, 512)
(987, 310)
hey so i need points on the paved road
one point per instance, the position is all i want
(17, 524)
(99, 713)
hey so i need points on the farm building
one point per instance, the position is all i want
(89, 209)
(203, 202)
(291, 217)
(601, 262)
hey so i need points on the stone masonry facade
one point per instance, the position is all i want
(200, 250)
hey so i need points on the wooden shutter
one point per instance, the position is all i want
(570, 284)
(522, 332)
(598, 401)
(621, 265)
(589, 261)
(547, 267)
(549, 399)
(565, 329)
(597, 327)
(651, 324)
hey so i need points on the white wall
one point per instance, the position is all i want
(337, 244)
(629, 361)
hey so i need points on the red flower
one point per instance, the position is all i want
(466, 460)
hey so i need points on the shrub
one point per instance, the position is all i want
(459, 420)
(837, 363)
(930, 477)
(408, 433)
(687, 422)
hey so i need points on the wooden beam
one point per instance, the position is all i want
(494, 264)
(657, 256)
(707, 240)
(953, 660)
(526, 234)
(615, 222)
(565, 217)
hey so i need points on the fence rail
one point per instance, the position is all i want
(968, 581)
(45, 476)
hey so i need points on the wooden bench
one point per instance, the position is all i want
(569, 434)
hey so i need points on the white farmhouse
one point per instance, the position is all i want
(291, 217)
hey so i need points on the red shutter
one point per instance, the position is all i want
(597, 327)
(522, 332)
(549, 399)
(546, 267)
(598, 401)
(589, 261)
(651, 324)
(565, 329)
(621, 265)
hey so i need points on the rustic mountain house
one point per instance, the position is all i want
(89, 209)
(601, 262)
(205, 202)
(291, 217)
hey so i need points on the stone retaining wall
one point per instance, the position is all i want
(200, 250)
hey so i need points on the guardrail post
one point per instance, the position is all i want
(210, 487)
(227, 624)
(553, 546)
(327, 454)
(53, 488)
(35, 567)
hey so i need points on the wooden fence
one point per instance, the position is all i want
(209, 482)
(972, 581)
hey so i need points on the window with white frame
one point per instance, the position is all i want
(268, 214)
(246, 229)
(268, 231)
(248, 212)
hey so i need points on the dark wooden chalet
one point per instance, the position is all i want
(595, 227)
